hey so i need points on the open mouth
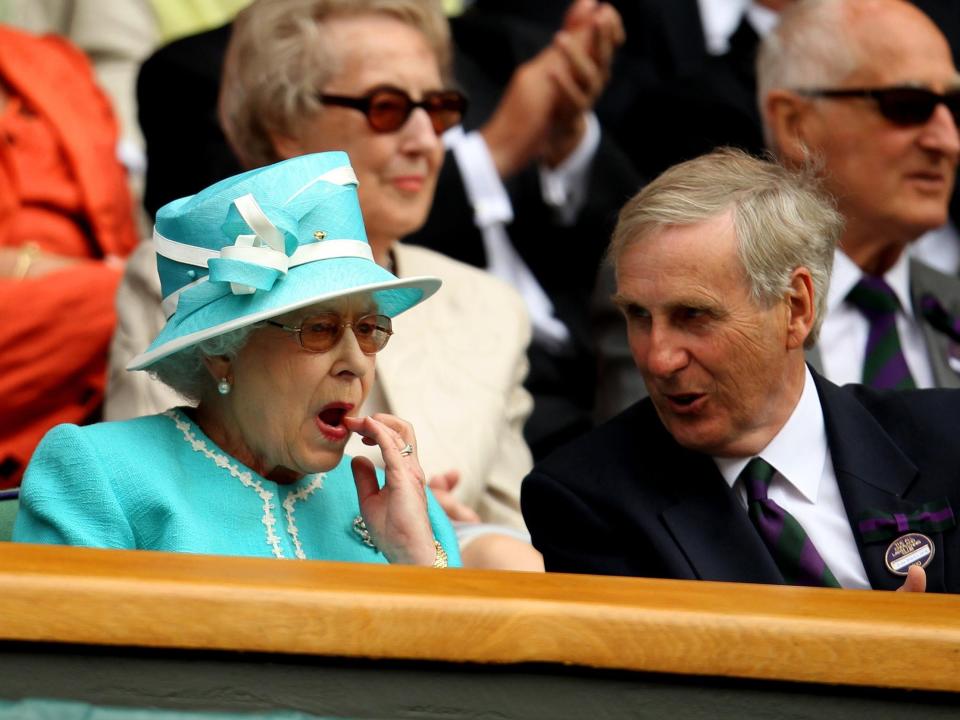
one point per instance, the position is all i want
(333, 416)
(330, 420)
(685, 401)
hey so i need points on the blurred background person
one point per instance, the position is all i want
(868, 90)
(66, 221)
(117, 38)
(533, 186)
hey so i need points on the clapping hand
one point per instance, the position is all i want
(541, 115)
(585, 46)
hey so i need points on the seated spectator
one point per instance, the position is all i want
(117, 38)
(371, 78)
(276, 311)
(66, 219)
(743, 464)
(889, 158)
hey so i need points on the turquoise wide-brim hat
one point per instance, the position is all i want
(263, 243)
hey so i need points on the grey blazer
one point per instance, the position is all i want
(940, 348)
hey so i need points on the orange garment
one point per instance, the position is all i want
(62, 188)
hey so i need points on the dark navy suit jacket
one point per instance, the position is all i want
(628, 500)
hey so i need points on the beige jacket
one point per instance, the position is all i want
(454, 369)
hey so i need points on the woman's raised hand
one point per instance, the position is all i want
(396, 514)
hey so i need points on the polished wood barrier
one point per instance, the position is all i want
(159, 600)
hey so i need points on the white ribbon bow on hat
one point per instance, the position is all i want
(263, 250)
(254, 262)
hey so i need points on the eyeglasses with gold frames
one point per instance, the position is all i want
(321, 333)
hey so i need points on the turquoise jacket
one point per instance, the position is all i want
(159, 483)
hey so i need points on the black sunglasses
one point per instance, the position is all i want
(387, 108)
(900, 105)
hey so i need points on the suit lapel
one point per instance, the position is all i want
(939, 347)
(872, 474)
(711, 526)
(683, 30)
(924, 279)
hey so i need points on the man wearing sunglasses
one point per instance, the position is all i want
(867, 90)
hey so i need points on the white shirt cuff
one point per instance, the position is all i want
(483, 185)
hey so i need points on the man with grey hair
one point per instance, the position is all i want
(744, 465)
(867, 91)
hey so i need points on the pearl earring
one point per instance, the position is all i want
(224, 387)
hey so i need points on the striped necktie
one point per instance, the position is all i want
(788, 543)
(884, 366)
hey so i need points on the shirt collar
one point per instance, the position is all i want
(720, 19)
(762, 19)
(798, 451)
(846, 274)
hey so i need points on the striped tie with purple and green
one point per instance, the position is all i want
(884, 366)
(788, 543)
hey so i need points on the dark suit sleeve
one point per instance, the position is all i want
(571, 537)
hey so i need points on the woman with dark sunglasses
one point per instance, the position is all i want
(372, 77)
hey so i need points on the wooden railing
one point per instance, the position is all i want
(159, 600)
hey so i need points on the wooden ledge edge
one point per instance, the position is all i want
(708, 629)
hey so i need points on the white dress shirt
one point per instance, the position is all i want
(720, 19)
(805, 485)
(564, 189)
(843, 336)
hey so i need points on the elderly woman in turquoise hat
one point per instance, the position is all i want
(276, 310)
(372, 77)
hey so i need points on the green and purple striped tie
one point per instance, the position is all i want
(788, 543)
(884, 366)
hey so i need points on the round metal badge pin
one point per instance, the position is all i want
(907, 550)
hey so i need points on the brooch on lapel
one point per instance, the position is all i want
(360, 528)
(911, 545)
(942, 321)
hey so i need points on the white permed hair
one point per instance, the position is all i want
(186, 372)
